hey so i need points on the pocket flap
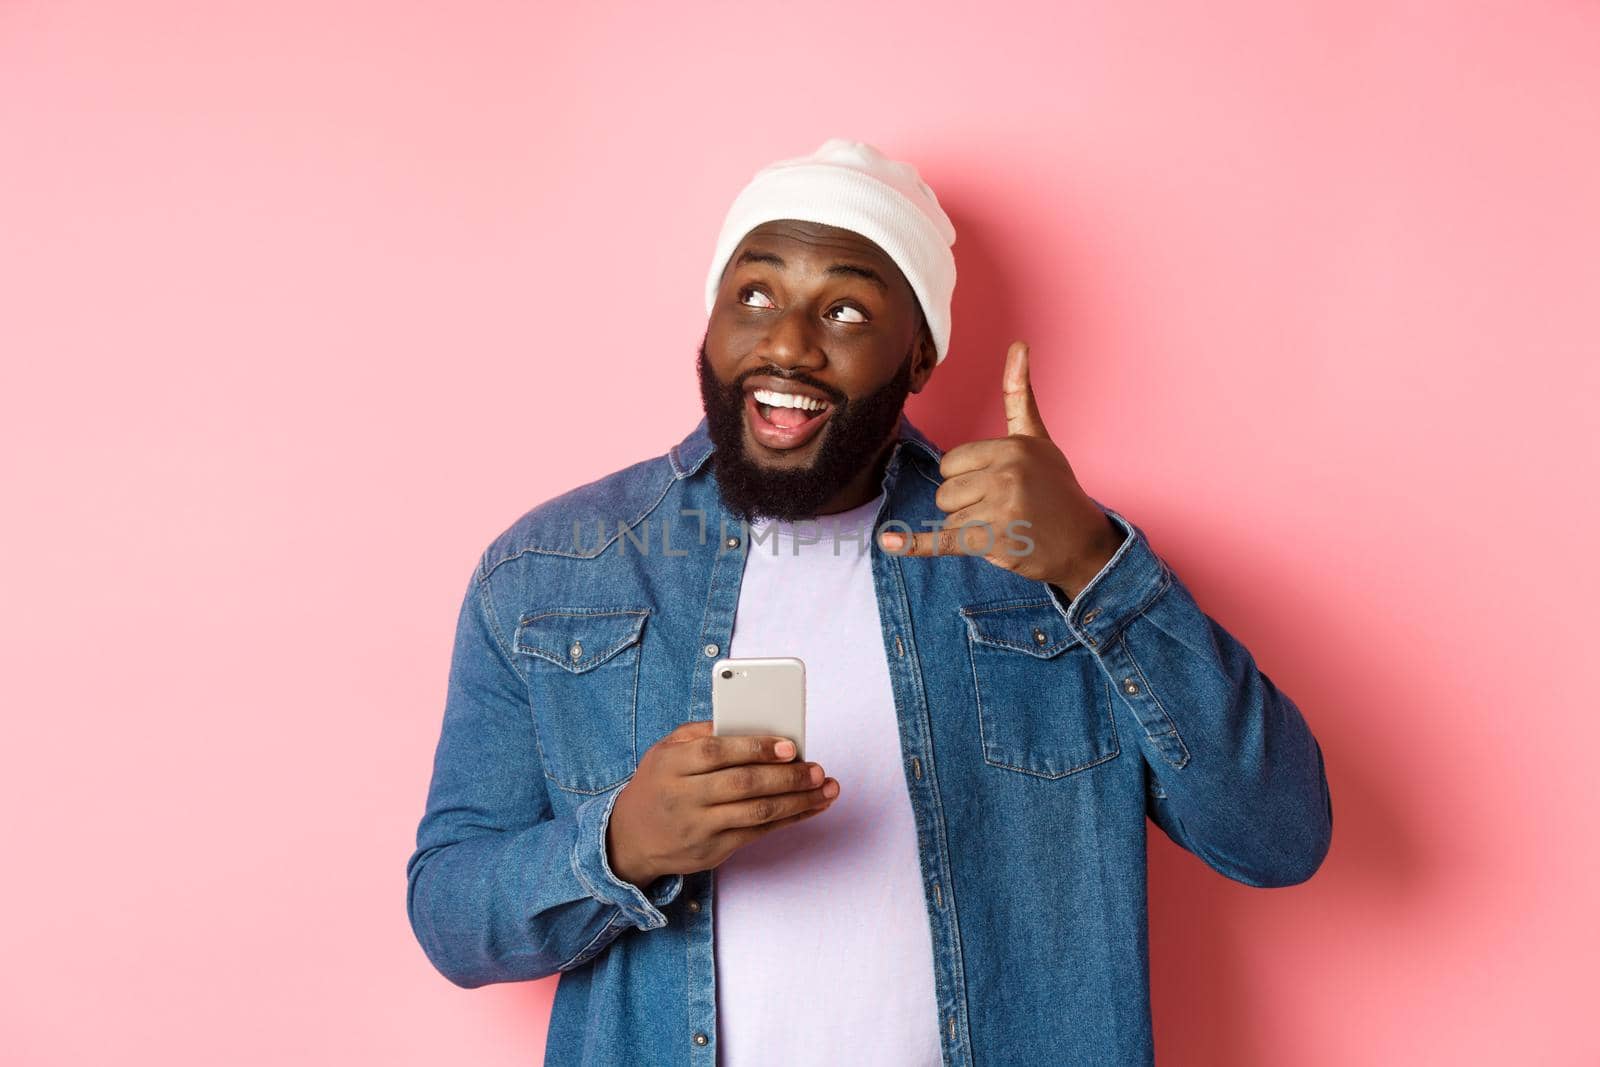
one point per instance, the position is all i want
(579, 639)
(1035, 627)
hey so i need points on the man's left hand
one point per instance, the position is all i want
(1013, 490)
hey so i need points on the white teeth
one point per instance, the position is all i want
(788, 400)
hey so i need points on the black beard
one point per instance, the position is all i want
(855, 433)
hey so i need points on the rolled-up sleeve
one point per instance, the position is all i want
(593, 868)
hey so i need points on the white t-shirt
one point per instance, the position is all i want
(823, 949)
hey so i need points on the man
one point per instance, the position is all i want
(1003, 680)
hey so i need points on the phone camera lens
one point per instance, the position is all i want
(727, 674)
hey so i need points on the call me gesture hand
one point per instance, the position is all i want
(696, 798)
(1017, 484)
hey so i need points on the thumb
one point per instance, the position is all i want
(1022, 412)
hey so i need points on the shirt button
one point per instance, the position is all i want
(1091, 615)
(692, 904)
(733, 542)
(576, 651)
(701, 1039)
(1129, 686)
(711, 651)
(1039, 638)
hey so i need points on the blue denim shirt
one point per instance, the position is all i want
(1036, 736)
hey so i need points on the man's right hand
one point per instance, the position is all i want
(696, 798)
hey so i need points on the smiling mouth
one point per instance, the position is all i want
(784, 420)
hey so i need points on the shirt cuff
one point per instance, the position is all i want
(589, 863)
(1128, 583)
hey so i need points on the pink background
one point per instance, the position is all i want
(302, 303)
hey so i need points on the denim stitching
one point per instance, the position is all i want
(584, 954)
(1115, 629)
(936, 816)
(985, 606)
(486, 606)
(1150, 602)
(583, 792)
(540, 550)
(577, 870)
(564, 661)
(586, 792)
(983, 740)
(1162, 708)
(633, 711)
(1039, 651)
(1035, 650)
(544, 762)
(578, 613)
(637, 900)
(720, 560)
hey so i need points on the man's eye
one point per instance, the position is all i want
(859, 317)
(749, 292)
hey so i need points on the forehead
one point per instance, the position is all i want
(795, 240)
(802, 237)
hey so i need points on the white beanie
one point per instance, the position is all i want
(852, 185)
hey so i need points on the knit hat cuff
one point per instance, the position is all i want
(834, 195)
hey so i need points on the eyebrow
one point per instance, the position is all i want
(751, 255)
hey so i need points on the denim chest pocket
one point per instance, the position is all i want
(583, 681)
(1044, 704)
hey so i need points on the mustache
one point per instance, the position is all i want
(836, 396)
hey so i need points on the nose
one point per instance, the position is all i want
(791, 342)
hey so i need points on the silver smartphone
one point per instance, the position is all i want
(760, 696)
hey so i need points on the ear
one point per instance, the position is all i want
(922, 364)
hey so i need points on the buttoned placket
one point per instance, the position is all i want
(698, 900)
(921, 776)
(697, 913)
